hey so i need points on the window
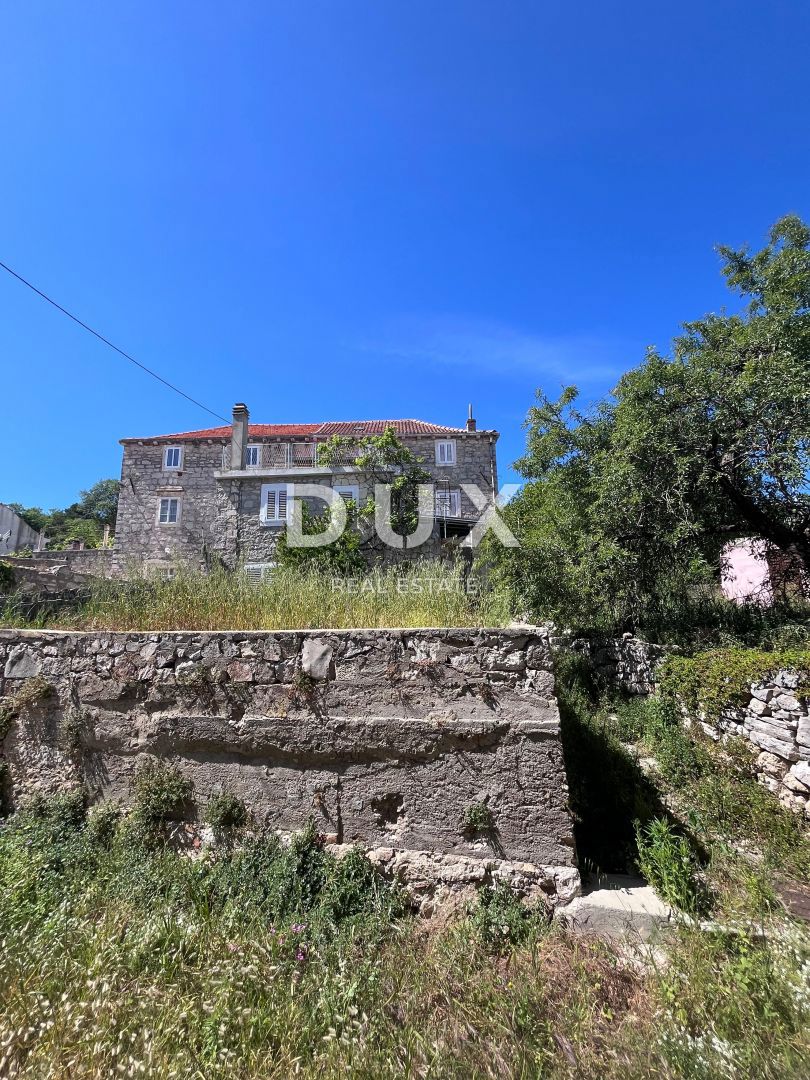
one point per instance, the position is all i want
(276, 506)
(446, 452)
(256, 572)
(347, 492)
(169, 511)
(448, 502)
(253, 457)
(173, 457)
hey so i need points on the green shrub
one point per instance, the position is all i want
(226, 811)
(72, 729)
(501, 920)
(478, 820)
(355, 888)
(162, 794)
(60, 816)
(720, 679)
(6, 578)
(667, 862)
(29, 693)
(102, 824)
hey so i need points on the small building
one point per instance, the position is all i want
(16, 534)
(227, 493)
(753, 571)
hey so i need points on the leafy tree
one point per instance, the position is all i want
(82, 520)
(383, 459)
(100, 502)
(33, 515)
(628, 506)
(77, 529)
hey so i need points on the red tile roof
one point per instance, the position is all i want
(331, 427)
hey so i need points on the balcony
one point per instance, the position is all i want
(288, 457)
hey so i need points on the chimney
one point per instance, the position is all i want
(239, 435)
(470, 420)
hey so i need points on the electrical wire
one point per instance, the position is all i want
(121, 352)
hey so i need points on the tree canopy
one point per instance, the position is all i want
(629, 504)
(82, 520)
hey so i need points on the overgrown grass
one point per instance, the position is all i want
(423, 594)
(708, 828)
(120, 959)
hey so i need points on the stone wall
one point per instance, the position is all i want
(385, 737)
(627, 663)
(776, 721)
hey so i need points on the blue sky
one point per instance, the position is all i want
(367, 208)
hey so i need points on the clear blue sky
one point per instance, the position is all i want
(369, 208)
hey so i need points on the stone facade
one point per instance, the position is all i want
(386, 738)
(219, 498)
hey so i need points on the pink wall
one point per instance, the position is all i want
(744, 575)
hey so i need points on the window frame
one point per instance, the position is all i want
(169, 499)
(450, 452)
(256, 572)
(263, 505)
(258, 463)
(172, 468)
(354, 490)
(452, 495)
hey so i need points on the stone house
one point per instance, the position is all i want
(226, 493)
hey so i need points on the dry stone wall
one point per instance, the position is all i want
(384, 737)
(776, 721)
(625, 662)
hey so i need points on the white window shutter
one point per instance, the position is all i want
(281, 504)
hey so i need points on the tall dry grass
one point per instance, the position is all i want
(424, 594)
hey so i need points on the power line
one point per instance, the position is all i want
(121, 352)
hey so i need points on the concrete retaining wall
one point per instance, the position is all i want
(384, 737)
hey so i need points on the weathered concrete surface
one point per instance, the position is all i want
(617, 906)
(384, 737)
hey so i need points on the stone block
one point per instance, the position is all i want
(316, 659)
(762, 693)
(376, 761)
(787, 750)
(798, 778)
(771, 765)
(22, 663)
(758, 707)
(788, 702)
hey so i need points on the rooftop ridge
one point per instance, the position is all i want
(409, 426)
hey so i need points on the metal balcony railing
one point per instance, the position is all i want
(282, 456)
